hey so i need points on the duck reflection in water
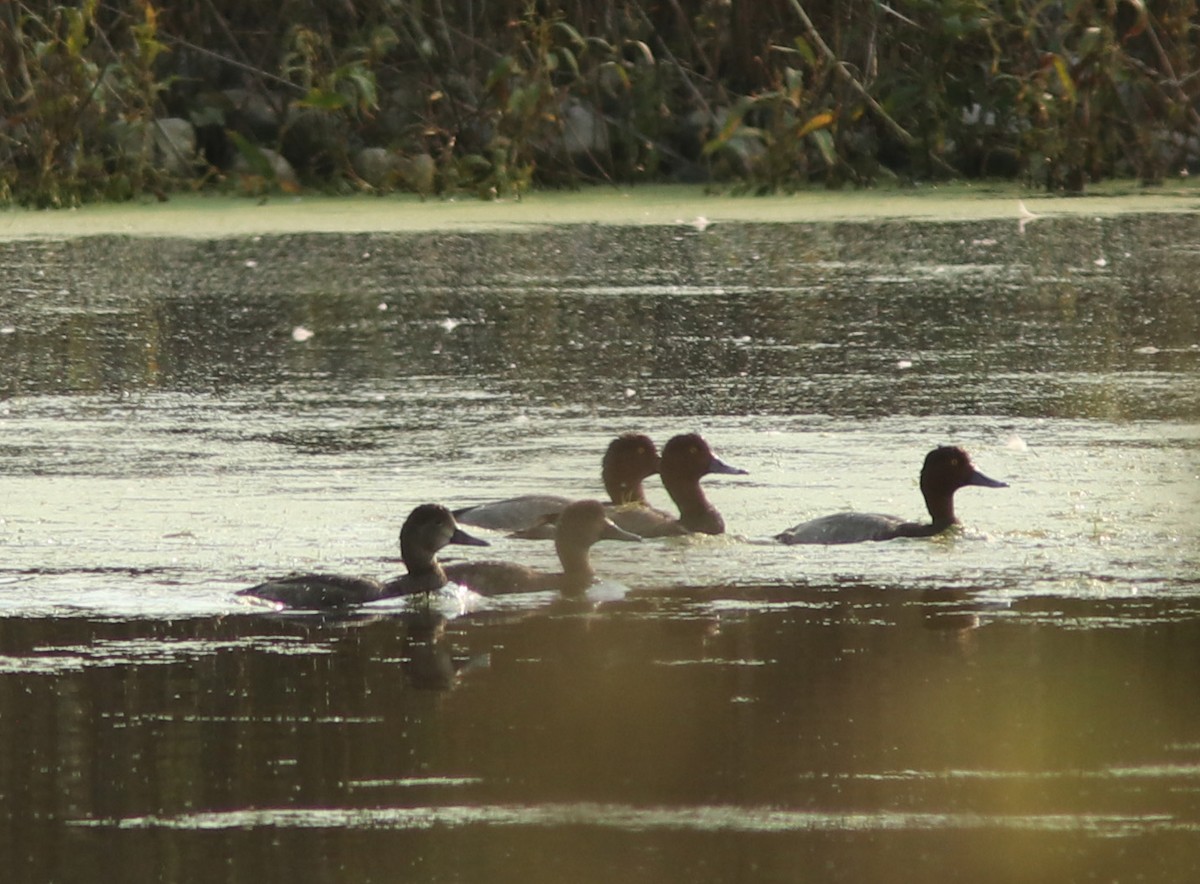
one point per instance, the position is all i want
(629, 460)
(429, 659)
(946, 470)
(949, 610)
(580, 525)
(428, 529)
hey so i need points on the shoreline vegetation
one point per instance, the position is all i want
(109, 102)
(690, 207)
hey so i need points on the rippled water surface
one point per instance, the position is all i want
(1016, 701)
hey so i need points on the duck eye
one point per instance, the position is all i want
(954, 461)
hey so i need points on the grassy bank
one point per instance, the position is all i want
(211, 217)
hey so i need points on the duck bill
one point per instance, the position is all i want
(612, 531)
(719, 466)
(462, 537)
(978, 478)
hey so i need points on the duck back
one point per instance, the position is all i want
(843, 528)
(317, 591)
(581, 524)
(629, 459)
(514, 514)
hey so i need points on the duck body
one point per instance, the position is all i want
(428, 528)
(580, 525)
(946, 469)
(317, 591)
(629, 459)
(645, 520)
(636, 518)
(522, 513)
(850, 528)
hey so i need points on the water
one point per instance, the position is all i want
(1017, 701)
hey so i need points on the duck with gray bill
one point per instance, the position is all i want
(428, 529)
(580, 525)
(686, 459)
(946, 469)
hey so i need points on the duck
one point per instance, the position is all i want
(580, 525)
(946, 469)
(428, 528)
(629, 459)
(686, 459)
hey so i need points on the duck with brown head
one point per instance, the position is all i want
(580, 525)
(686, 459)
(946, 470)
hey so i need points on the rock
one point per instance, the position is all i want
(277, 168)
(174, 146)
(377, 166)
(251, 113)
(583, 129)
(168, 145)
(420, 173)
(131, 139)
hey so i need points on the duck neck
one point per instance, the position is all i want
(621, 491)
(422, 578)
(576, 565)
(941, 510)
(421, 563)
(695, 512)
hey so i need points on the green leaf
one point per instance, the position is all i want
(501, 71)
(207, 116)
(794, 81)
(255, 159)
(823, 139)
(1064, 77)
(383, 40)
(571, 34)
(732, 123)
(321, 99)
(611, 68)
(569, 59)
(77, 23)
(363, 82)
(647, 55)
(806, 51)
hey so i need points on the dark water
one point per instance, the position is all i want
(1016, 702)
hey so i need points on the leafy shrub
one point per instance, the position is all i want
(494, 98)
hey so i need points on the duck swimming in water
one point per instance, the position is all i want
(580, 525)
(946, 470)
(686, 459)
(427, 529)
(629, 459)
